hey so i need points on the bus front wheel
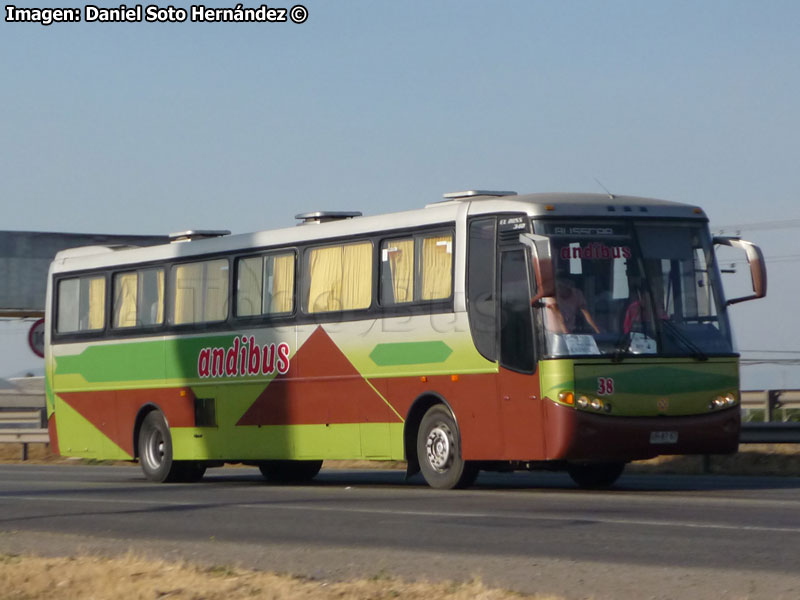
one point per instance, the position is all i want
(155, 453)
(439, 451)
(595, 475)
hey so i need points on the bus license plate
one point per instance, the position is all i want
(663, 437)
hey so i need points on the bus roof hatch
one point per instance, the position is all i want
(324, 216)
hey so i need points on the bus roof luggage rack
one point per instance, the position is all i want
(196, 234)
(473, 193)
(324, 216)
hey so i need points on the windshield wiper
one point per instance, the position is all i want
(621, 348)
(684, 339)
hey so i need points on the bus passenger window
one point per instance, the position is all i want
(138, 298)
(437, 260)
(340, 278)
(265, 285)
(81, 304)
(199, 292)
(397, 271)
(125, 287)
(416, 269)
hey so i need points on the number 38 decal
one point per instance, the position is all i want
(605, 386)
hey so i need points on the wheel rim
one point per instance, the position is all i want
(154, 449)
(439, 447)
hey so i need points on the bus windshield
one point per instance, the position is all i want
(634, 289)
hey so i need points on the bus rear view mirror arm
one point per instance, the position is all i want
(542, 264)
(755, 259)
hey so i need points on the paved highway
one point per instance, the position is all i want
(654, 536)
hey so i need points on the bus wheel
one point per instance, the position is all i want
(155, 450)
(289, 471)
(595, 475)
(439, 451)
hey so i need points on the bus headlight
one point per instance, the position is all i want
(583, 402)
(725, 401)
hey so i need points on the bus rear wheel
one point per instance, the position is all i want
(439, 451)
(595, 476)
(155, 453)
(289, 471)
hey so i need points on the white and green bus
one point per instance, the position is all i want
(487, 331)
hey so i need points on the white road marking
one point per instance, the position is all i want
(515, 517)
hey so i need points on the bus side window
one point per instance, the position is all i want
(415, 269)
(138, 298)
(265, 285)
(339, 277)
(199, 292)
(397, 271)
(81, 304)
(437, 267)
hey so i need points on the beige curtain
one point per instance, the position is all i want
(159, 317)
(187, 285)
(97, 302)
(125, 290)
(400, 257)
(250, 286)
(216, 291)
(341, 278)
(357, 276)
(324, 292)
(282, 284)
(437, 258)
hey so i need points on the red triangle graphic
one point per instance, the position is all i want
(113, 413)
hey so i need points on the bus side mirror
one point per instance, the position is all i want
(758, 267)
(542, 265)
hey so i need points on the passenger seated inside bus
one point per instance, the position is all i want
(638, 314)
(563, 311)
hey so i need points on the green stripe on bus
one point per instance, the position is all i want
(137, 361)
(410, 353)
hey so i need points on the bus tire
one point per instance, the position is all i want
(439, 451)
(289, 471)
(155, 450)
(595, 476)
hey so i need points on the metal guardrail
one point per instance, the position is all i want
(23, 417)
(771, 430)
(23, 427)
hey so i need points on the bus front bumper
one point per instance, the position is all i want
(582, 436)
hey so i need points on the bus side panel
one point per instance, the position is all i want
(93, 416)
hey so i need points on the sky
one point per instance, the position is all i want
(149, 128)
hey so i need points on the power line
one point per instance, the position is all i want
(787, 362)
(772, 351)
(760, 226)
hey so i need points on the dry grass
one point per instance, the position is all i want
(752, 459)
(131, 577)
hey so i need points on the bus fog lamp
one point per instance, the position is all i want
(596, 404)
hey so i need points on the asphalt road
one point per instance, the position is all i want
(654, 536)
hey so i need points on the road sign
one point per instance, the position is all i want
(36, 337)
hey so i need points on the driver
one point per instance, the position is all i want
(562, 311)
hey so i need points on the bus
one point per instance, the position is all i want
(486, 331)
